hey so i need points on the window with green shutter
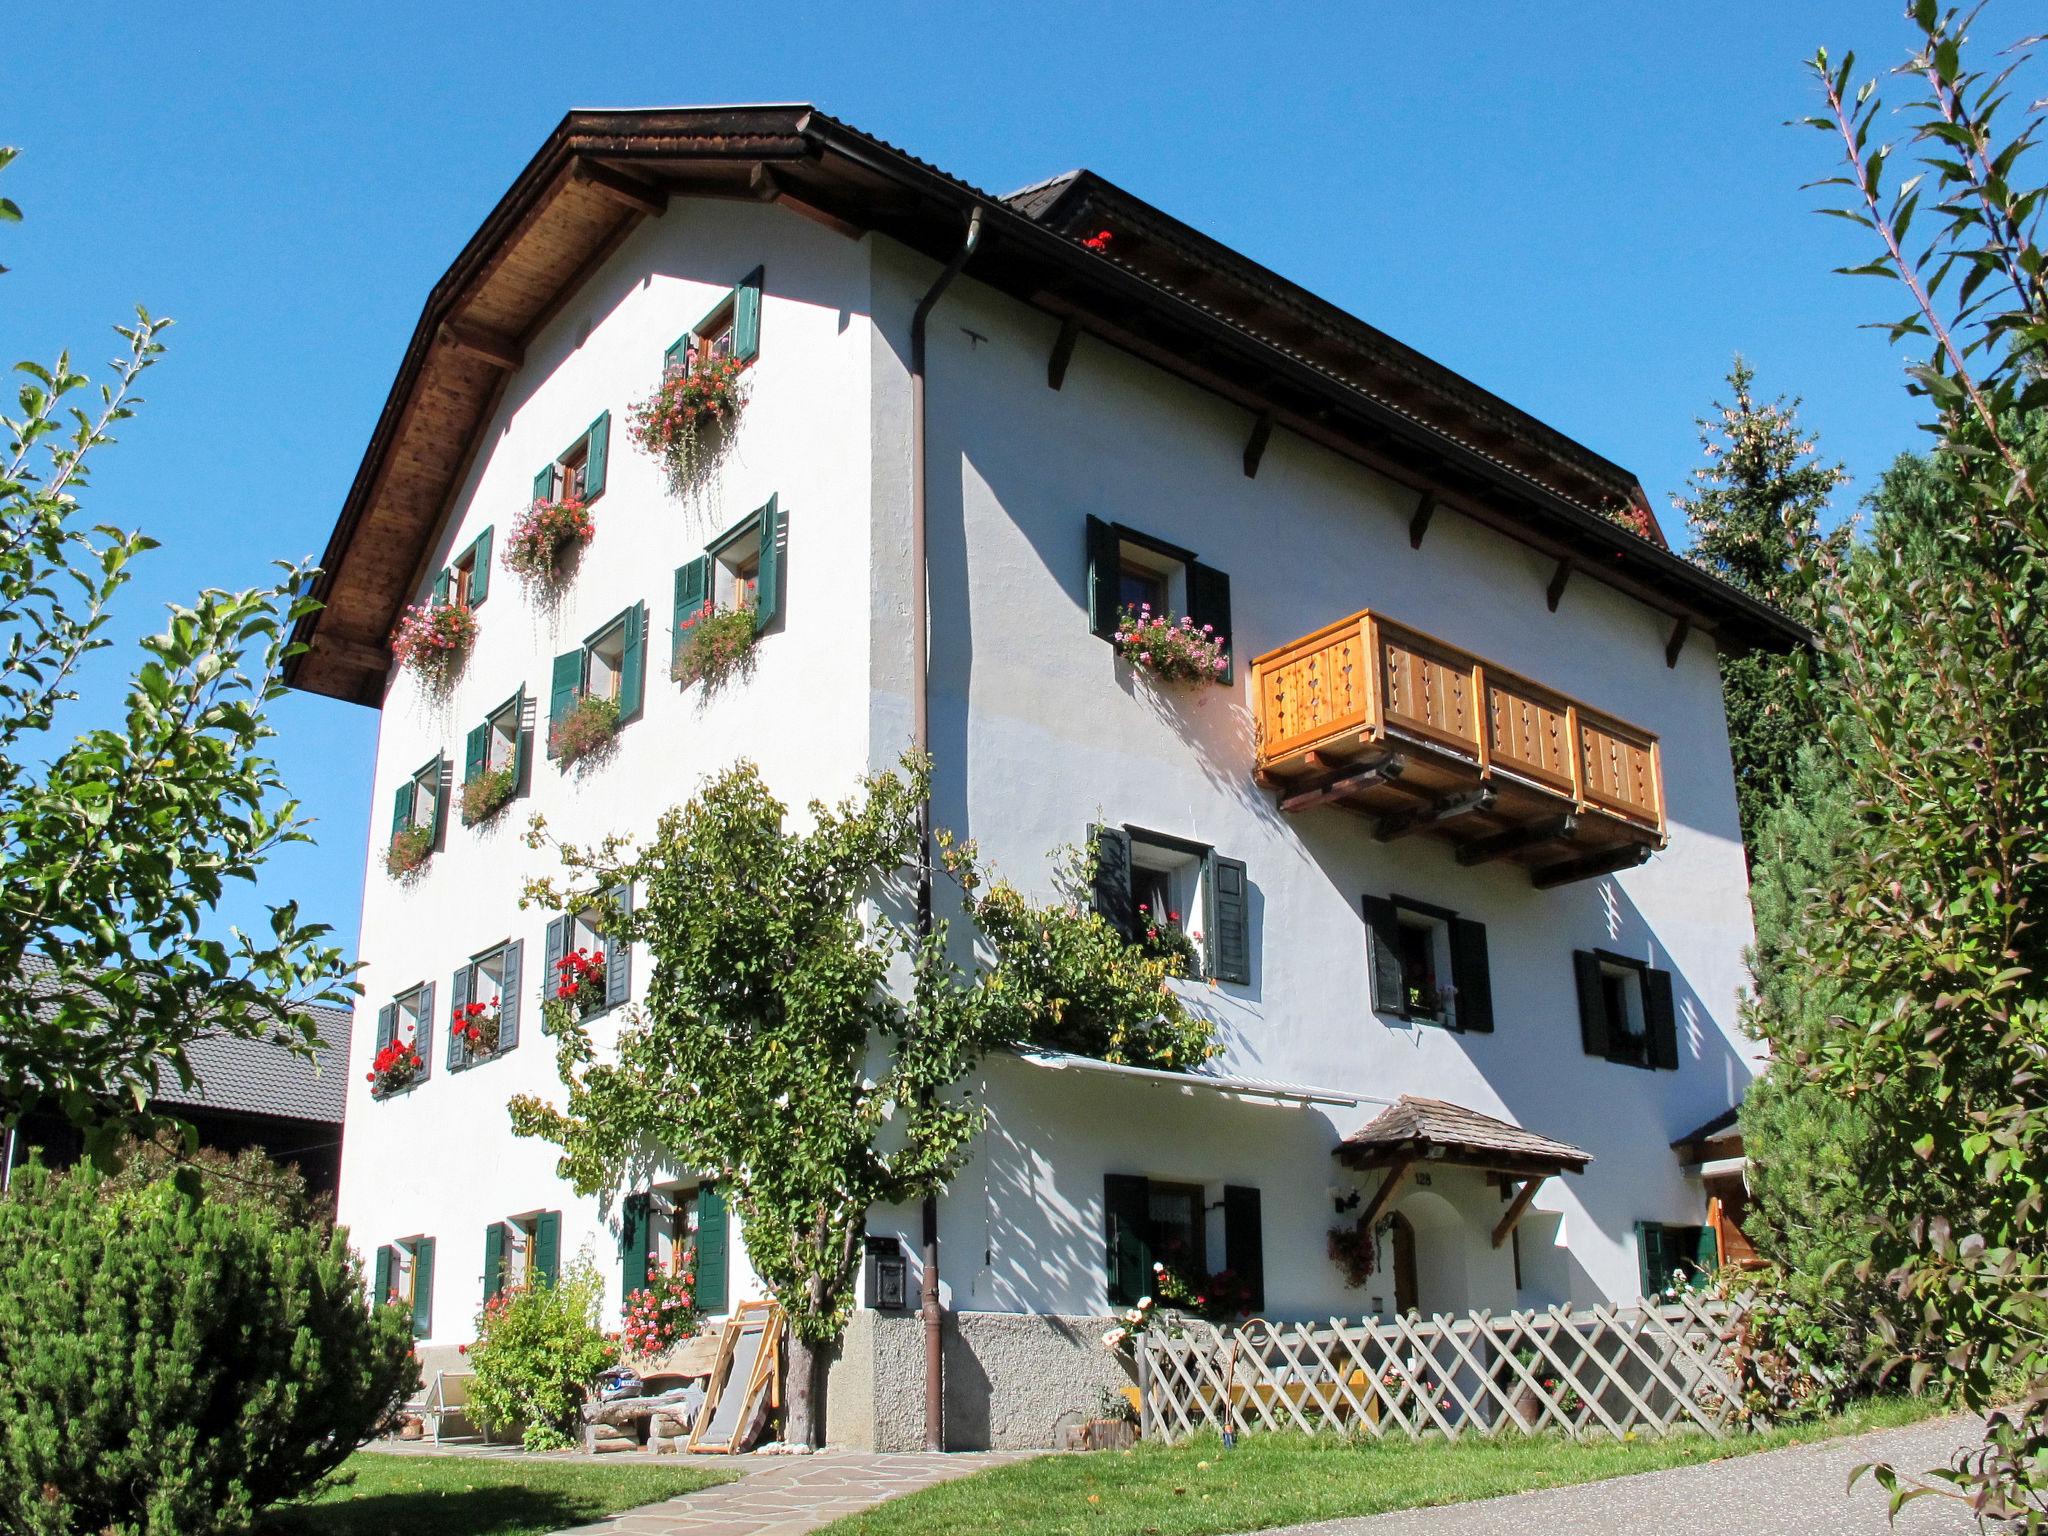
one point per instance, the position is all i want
(466, 581)
(496, 747)
(422, 1286)
(1627, 1011)
(747, 566)
(1427, 964)
(578, 472)
(636, 1243)
(1177, 898)
(547, 1247)
(713, 1244)
(1132, 571)
(732, 329)
(494, 1259)
(490, 981)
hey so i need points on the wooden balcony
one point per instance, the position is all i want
(1383, 720)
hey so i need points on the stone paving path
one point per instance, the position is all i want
(1793, 1492)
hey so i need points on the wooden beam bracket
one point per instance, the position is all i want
(1612, 862)
(1676, 643)
(1062, 352)
(1344, 780)
(1513, 1214)
(1554, 593)
(1397, 1175)
(626, 191)
(500, 351)
(1418, 525)
(1449, 808)
(1255, 447)
(1545, 830)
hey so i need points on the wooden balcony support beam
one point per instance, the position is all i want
(1485, 850)
(1342, 782)
(499, 350)
(1418, 525)
(1550, 876)
(1554, 593)
(1390, 1186)
(1513, 1215)
(1435, 814)
(1255, 446)
(1062, 352)
(626, 191)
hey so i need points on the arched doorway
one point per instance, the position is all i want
(1401, 1234)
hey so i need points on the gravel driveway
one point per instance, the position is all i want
(1793, 1492)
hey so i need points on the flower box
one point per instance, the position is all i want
(475, 1029)
(693, 399)
(1162, 938)
(1172, 650)
(715, 647)
(433, 638)
(586, 730)
(488, 793)
(395, 1067)
(579, 982)
(410, 849)
(544, 530)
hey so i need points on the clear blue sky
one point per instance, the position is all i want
(1586, 208)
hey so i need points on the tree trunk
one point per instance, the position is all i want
(800, 1422)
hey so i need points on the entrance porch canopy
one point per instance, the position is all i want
(1415, 1130)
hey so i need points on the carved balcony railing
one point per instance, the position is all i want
(1421, 736)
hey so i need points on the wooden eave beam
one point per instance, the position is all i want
(1513, 1215)
(1550, 876)
(1554, 593)
(1676, 643)
(499, 350)
(626, 191)
(1484, 850)
(1062, 352)
(1449, 808)
(1255, 446)
(1418, 525)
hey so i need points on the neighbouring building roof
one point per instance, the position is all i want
(1719, 1138)
(1419, 1129)
(1159, 290)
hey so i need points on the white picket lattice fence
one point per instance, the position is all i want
(1649, 1369)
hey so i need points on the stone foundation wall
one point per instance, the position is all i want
(1014, 1381)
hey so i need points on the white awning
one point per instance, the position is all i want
(1294, 1094)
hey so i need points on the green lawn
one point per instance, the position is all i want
(479, 1496)
(1268, 1480)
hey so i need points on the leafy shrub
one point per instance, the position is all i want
(486, 794)
(538, 1348)
(171, 1365)
(586, 730)
(717, 646)
(244, 1176)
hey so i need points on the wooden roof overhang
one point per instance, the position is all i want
(1240, 332)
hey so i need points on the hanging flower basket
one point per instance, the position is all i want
(586, 730)
(544, 530)
(663, 1313)
(715, 647)
(1171, 650)
(488, 793)
(395, 1067)
(410, 849)
(1355, 1249)
(692, 400)
(475, 1028)
(432, 638)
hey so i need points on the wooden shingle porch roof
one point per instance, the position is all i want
(1171, 296)
(1419, 1130)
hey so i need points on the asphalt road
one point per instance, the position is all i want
(1793, 1492)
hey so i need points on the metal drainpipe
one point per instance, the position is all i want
(920, 734)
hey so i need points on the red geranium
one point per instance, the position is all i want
(579, 978)
(396, 1065)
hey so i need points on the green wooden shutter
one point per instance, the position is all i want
(1660, 1020)
(1655, 1260)
(387, 1024)
(1706, 1251)
(693, 591)
(555, 947)
(422, 1287)
(1383, 951)
(440, 776)
(401, 808)
(508, 995)
(633, 661)
(597, 449)
(386, 1261)
(459, 987)
(425, 1043)
(1105, 571)
(768, 589)
(564, 682)
(444, 583)
(494, 1259)
(618, 954)
(480, 568)
(746, 317)
(713, 1244)
(520, 736)
(544, 484)
(547, 1246)
(1229, 920)
(1244, 1241)
(1112, 850)
(1209, 603)
(1595, 1029)
(636, 1233)
(677, 355)
(476, 749)
(1127, 1231)
(1471, 975)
